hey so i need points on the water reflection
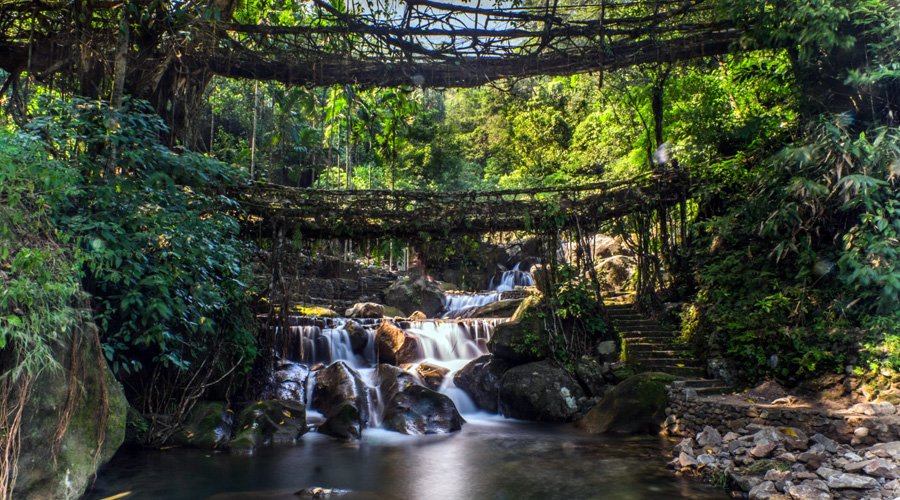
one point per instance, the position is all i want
(491, 458)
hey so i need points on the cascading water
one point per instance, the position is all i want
(311, 342)
(513, 278)
(460, 305)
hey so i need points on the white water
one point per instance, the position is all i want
(460, 305)
(450, 344)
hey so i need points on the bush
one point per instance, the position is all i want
(158, 241)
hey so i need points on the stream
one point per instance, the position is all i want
(490, 458)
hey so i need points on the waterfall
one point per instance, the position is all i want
(513, 278)
(460, 305)
(449, 344)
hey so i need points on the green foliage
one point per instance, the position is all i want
(39, 279)
(575, 301)
(160, 251)
(781, 296)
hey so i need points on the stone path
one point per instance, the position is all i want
(652, 346)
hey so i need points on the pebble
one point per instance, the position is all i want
(825, 470)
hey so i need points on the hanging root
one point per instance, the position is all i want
(13, 398)
(103, 411)
(72, 396)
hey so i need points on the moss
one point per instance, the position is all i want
(762, 466)
(311, 310)
(393, 312)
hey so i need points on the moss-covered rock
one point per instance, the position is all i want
(498, 309)
(418, 294)
(312, 310)
(637, 405)
(84, 392)
(268, 422)
(208, 426)
(523, 338)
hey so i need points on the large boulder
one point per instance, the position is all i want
(539, 391)
(395, 346)
(417, 294)
(365, 310)
(290, 381)
(338, 385)
(411, 408)
(618, 271)
(480, 379)
(359, 336)
(208, 426)
(87, 392)
(344, 422)
(592, 375)
(523, 338)
(637, 405)
(419, 410)
(268, 422)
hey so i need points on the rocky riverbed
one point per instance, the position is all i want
(763, 462)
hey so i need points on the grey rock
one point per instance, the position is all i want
(709, 438)
(763, 490)
(730, 436)
(829, 444)
(809, 490)
(744, 482)
(884, 450)
(686, 460)
(762, 450)
(881, 468)
(843, 480)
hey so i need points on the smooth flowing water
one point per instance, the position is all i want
(491, 458)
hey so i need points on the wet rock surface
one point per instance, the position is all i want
(395, 346)
(539, 391)
(431, 375)
(637, 405)
(411, 408)
(337, 386)
(784, 463)
(268, 422)
(365, 310)
(480, 379)
(290, 381)
(208, 426)
(419, 410)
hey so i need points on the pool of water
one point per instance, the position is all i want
(491, 458)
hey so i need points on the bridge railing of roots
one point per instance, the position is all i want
(324, 214)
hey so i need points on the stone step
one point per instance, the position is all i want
(674, 369)
(637, 322)
(714, 390)
(671, 345)
(668, 337)
(662, 360)
(701, 383)
(657, 331)
(659, 353)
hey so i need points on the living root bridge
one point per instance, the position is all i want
(324, 214)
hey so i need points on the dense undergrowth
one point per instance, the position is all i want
(94, 202)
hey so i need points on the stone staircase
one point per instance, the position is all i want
(650, 346)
